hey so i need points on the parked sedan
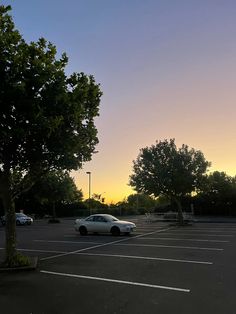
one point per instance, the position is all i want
(21, 219)
(103, 223)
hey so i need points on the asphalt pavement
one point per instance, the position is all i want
(159, 269)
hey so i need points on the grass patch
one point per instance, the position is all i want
(18, 260)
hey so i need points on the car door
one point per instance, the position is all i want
(101, 224)
(89, 223)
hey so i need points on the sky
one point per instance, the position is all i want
(167, 69)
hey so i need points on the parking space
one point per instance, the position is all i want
(160, 268)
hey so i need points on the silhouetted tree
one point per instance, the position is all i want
(46, 120)
(218, 195)
(164, 169)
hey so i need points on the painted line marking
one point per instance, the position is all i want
(120, 256)
(197, 234)
(214, 229)
(183, 239)
(142, 245)
(147, 258)
(101, 245)
(146, 228)
(72, 242)
(132, 283)
(175, 247)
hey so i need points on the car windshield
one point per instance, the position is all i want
(106, 217)
(110, 218)
(20, 215)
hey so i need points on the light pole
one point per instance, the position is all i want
(89, 174)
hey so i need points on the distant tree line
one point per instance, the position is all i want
(56, 194)
(218, 196)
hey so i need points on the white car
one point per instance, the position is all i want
(103, 223)
(21, 219)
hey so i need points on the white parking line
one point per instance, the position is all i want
(101, 245)
(214, 229)
(182, 239)
(132, 283)
(148, 258)
(151, 228)
(72, 242)
(201, 234)
(175, 247)
(131, 244)
(119, 256)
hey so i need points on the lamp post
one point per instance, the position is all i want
(89, 174)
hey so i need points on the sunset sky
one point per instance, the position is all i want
(167, 69)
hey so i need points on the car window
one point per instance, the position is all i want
(99, 219)
(89, 218)
(114, 219)
(111, 218)
(20, 215)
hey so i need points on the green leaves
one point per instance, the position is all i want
(46, 117)
(164, 169)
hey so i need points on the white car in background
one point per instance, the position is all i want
(21, 219)
(103, 223)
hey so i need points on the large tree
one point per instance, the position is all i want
(46, 120)
(164, 169)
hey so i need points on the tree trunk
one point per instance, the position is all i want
(54, 215)
(9, 208)
(180, 212)
(12, 257)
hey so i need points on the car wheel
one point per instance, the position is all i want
(83, 231)
(115, 231)
(17, 222)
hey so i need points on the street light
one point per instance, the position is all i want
(89, 174)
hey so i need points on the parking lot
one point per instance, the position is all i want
(158, 269)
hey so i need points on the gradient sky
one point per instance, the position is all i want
(167, 69)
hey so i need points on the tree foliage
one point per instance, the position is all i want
(46, 120)
(57, 186)
(164, 169)
(53, 189)
(141, 201)
(219, 183)
(218, 196)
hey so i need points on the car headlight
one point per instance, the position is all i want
(128, 227)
